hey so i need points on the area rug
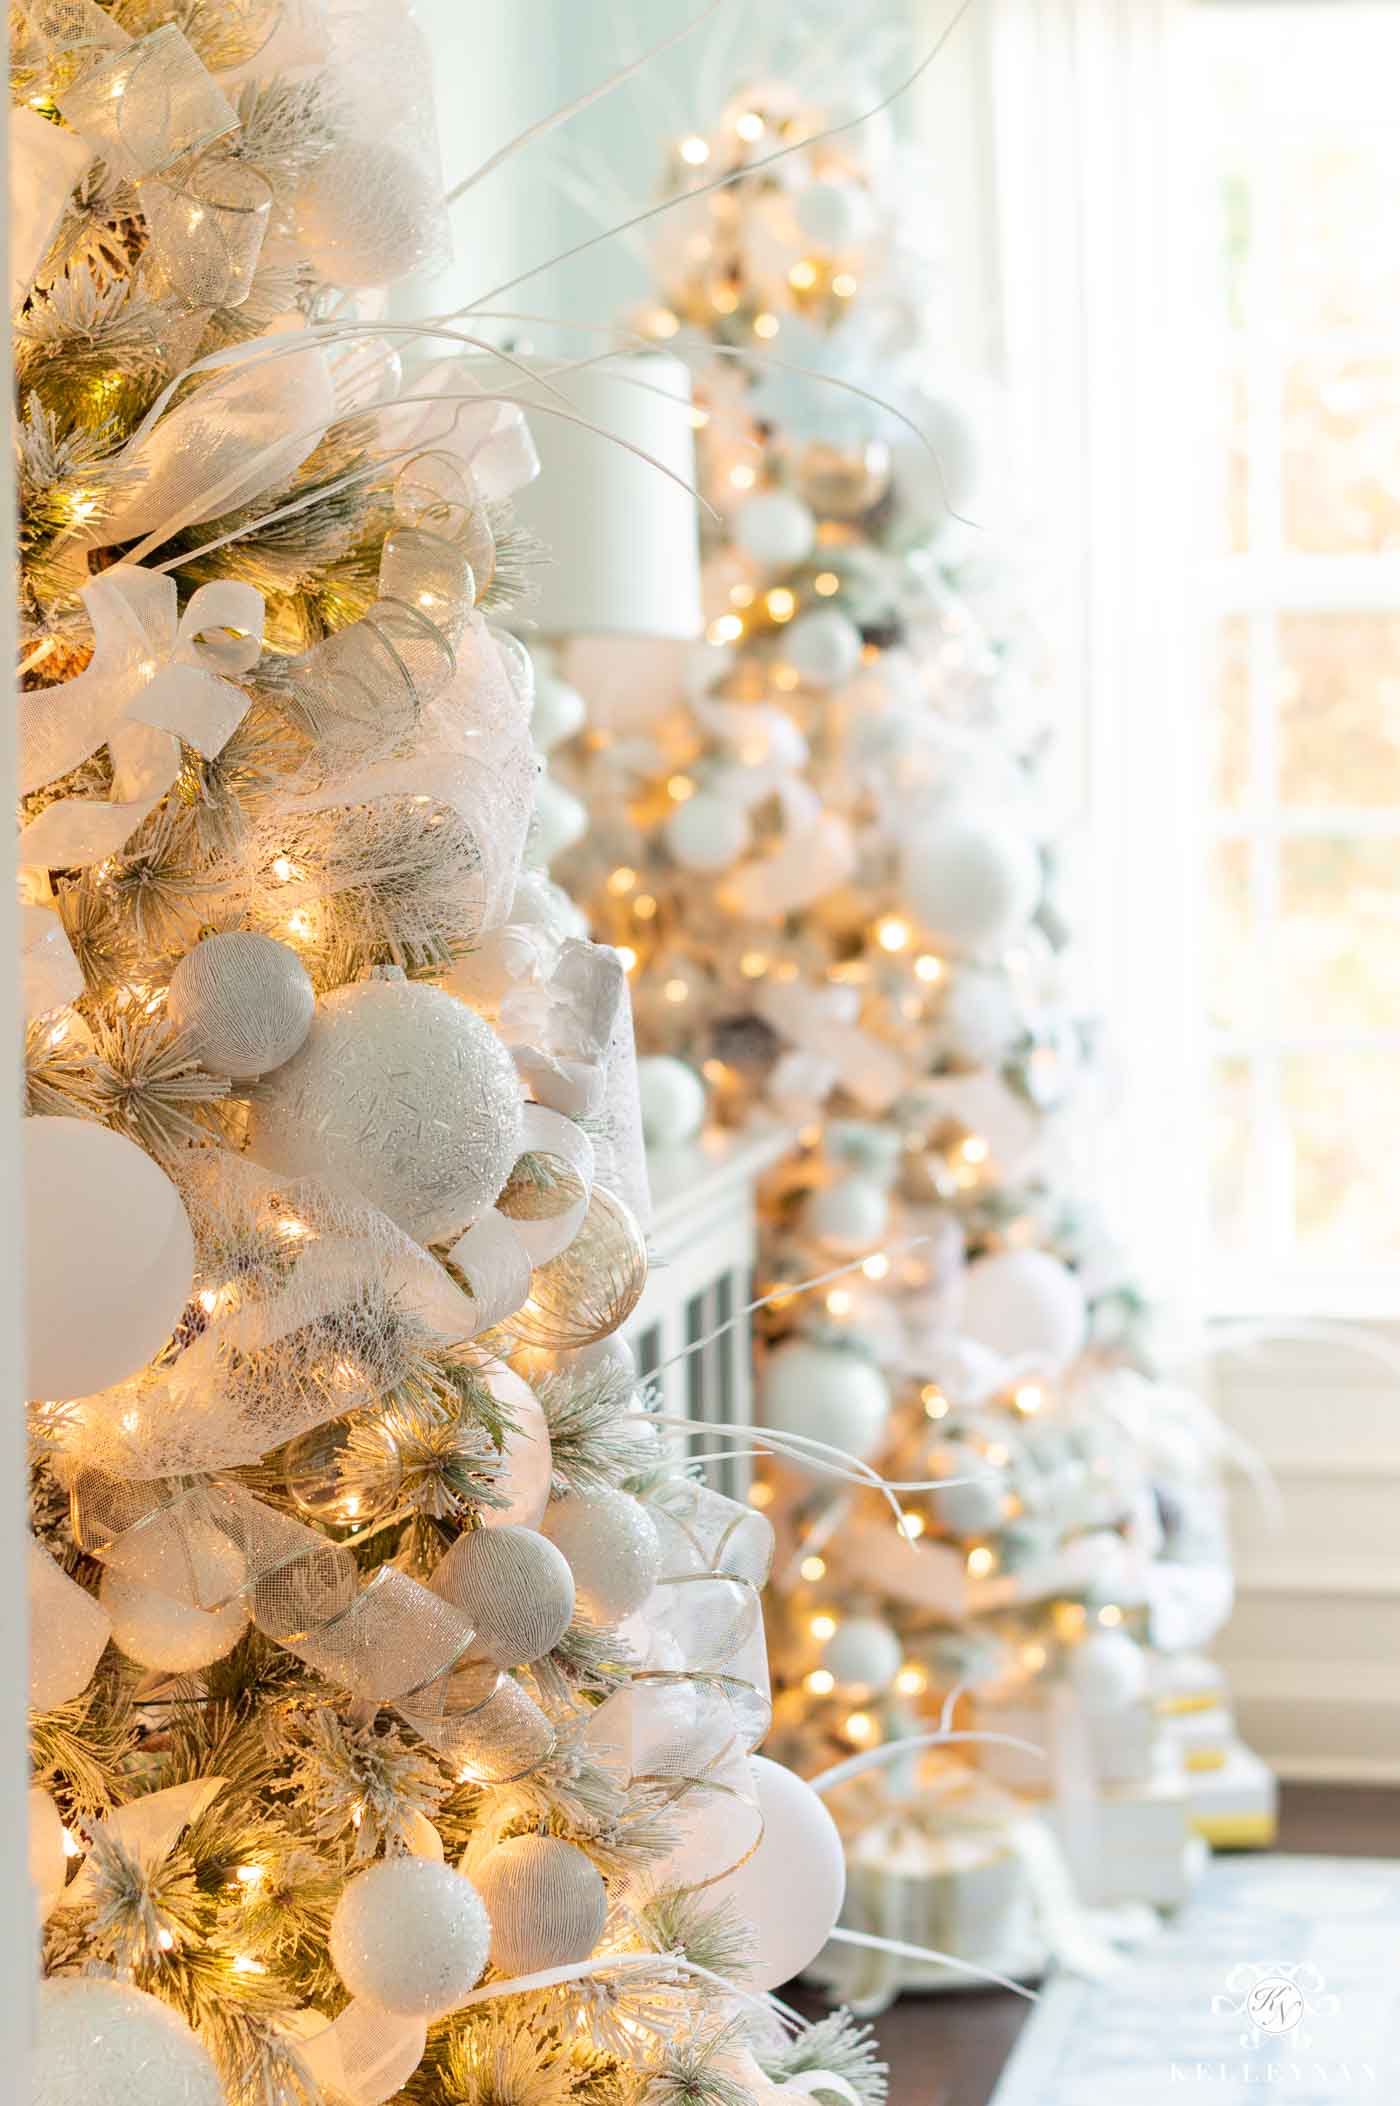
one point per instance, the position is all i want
(1278, 1981)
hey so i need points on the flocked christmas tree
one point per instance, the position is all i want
(393, 1697)
(829, 851)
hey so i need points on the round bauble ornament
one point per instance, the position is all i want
(1107, 1671)
(973, 881)
(526, 1464)
(936, 469)
(155, 1630)
(969, 1509)
(560, 820)
(863, 1653)
(849, 1215)
(558, 713)
(364, 213)
(546, 1902)
(829, 1393)
(411, 1936)
(791, 1890)
(835, 215)
(708, 832)
(344, 1474)
(775, 529)
(673, 1100)
(244, 1001)
(515, 1586)
(108, 1257)
(611, 1544)
(824, 646)
(102, 2044)
(1025, 1304)
(843, 482)
(591, 1288)
(403, 1094)
(48, 1860)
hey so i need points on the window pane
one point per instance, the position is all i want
(1240, 997)
(1337, 957)
(1233, 1198)
(1229, 714)
(1343, 1115)
(1337, 203)
(1339, 709)
(1341, 441)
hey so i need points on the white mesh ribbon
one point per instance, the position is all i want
(157, 680)
(45, 163)
(489, 438)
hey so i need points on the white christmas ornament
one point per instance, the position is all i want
(863, 1653)
(402, 1093)
(791, 1890)
(824, 646)
(546, 1901)
(835, 215)
(611, 1544)
(968, 1509)
(109, 1258)
(68, 1632)
(1025, 1304)
(514, 1585)
(411, 1936)
(775, 529)
(830, 1393)
(558, 712)
(100, 2043)
(560, 820)
(707, 833)
(1107, 1671)
(673, 1100)
(848, 1215)
(973, 882)
(245, 1002)
(48, 1860)
(156, 1630)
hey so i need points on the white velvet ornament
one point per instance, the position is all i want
(155, 1630)
(1024, 1304)
(824, 646)
(362, 212)
(402, 1093)
(560, 820)
(835, 215)
(514, 1585)
(611, 1544)
(244, 1000)
(850, 1214)
(108, 1257)
(972, 880)
(546, 1901)
(102, 2044)
(791, 1890)
(968, 1509)
(48, 1860)
(709, 832)
(411, 1936)
(827, 1393)
(776, 529)
(673, 1100)
(558, 712)
(863, 1653)
(1107, 1671)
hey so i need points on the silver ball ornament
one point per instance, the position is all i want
(515, 1586)
(100, 2043)
(245, 1001)
(411, 1936)
(611, 1544)
(673, 1100)
(546, 1901)
(402, 1093)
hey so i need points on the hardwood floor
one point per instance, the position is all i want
(950, 2050)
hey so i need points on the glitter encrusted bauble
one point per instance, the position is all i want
(102, 2044)
(591, 1288)
(410, 1936)
(515, 1586)
(546, 1901)
(157, 1629)
(403, 1093)
(611, 1544)
(244, 1001)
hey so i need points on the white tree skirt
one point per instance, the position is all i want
(1315, 1941)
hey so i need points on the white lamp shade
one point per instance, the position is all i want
(621, 536)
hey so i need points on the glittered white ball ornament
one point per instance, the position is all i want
(48, 1860)
(775, 528)
(827, 1392)
(402, 1093)
(1107, 1671)
(835, 215)
(708, 832)
(411, 1936)
(108, 1257)
(514, 1585)
(972, 880)
(847, 1215)
(100, 2043)
(546, 1901)
(969, 1509)
(824, 646)
(156, 1630)
(1025, 1304)
(611, 1544)
(245, 1002)
(791, 1890)
(673, 1100)
(362, 214)
(863, 1653)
